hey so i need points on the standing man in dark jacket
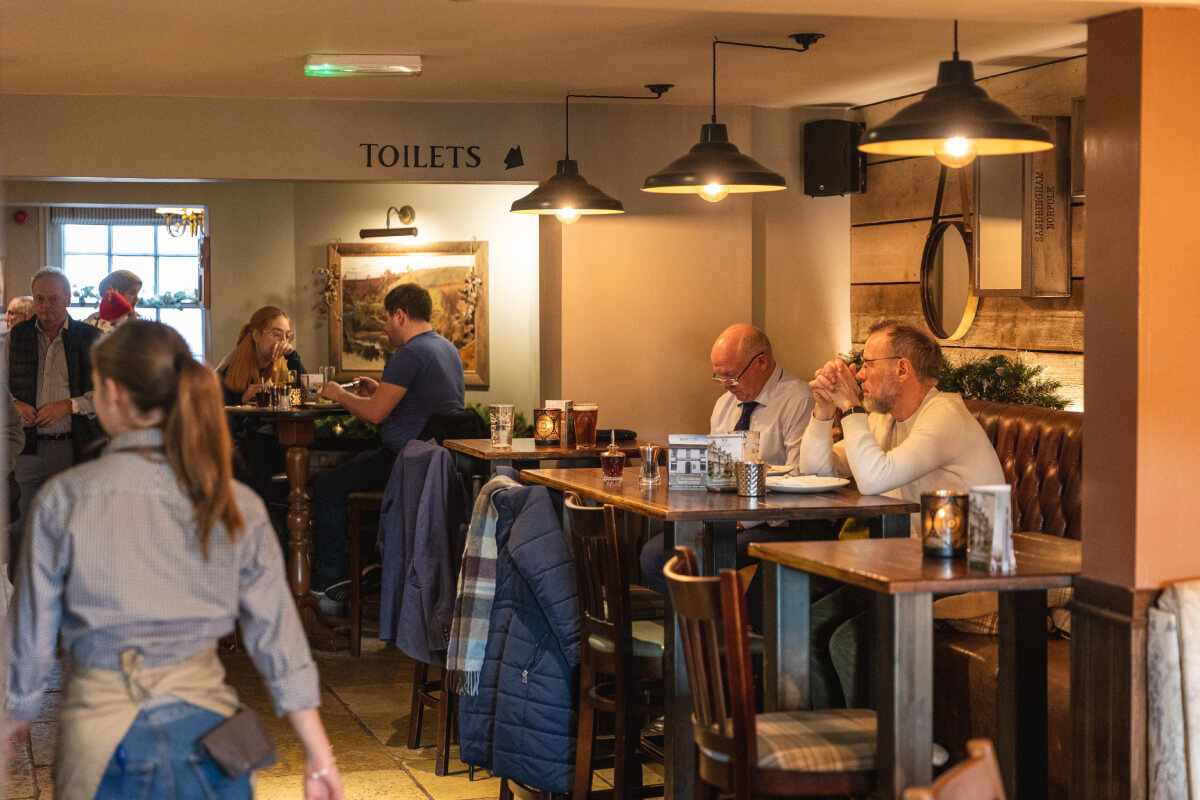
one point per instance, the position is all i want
(50, 379)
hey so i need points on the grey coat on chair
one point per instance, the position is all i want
(422, 528)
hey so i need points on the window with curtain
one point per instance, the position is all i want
(90, 243)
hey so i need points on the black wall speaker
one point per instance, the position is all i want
(832, 161)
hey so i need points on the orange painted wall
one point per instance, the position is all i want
(1141, 357)
(1168, 548)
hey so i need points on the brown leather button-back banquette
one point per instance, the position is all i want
(1041, 451)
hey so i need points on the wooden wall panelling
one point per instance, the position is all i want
(1015, 322)
(888, 253)
(904, 190)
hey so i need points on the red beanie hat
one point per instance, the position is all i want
(113, 306)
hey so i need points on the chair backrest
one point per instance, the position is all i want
(462, 423)
(603, 586)
(977, 778)
(724, 730)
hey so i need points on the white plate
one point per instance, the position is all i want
(801, 484)
(778, 469)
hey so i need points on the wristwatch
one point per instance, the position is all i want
(853, 410)
(74, 406)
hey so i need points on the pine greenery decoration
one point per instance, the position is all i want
(1003, 380)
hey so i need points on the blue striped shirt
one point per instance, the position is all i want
(113, 561)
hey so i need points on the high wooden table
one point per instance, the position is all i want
(707, 522)
(904, 582)
(526, 453)
(296, 430)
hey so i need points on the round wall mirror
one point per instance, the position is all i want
(947, 298)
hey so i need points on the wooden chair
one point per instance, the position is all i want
(738, 752)
(620, 669)
(977, 778)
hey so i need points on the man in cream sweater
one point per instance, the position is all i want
(900, 437)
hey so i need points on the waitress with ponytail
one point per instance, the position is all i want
(138, 601)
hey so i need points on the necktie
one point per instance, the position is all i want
(743, 423)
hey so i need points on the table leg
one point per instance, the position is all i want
(903, 659)
(322, 635)
(786, 649)
(890, 526)
(1021, 695)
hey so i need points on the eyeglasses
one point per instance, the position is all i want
(868, 362)
(731, 382)
(282, 335)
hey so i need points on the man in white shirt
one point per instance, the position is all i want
(760, 396)
(910, 438)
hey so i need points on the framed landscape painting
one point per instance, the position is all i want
(361, 275)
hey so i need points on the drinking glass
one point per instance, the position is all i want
(500, 416)
(585, 415)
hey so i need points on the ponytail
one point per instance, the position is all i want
(151, 361)
(196, 440)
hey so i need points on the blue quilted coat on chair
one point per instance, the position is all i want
(521, 724)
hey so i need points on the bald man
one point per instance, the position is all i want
(759, 396)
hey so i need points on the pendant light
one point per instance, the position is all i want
(715, 167)
(954, 122)
(566, 194)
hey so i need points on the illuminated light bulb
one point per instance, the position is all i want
(955, 152)
(714, 192)
(568, 215)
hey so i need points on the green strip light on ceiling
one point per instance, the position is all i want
(338, 66)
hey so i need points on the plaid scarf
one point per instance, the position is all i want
(476, 590)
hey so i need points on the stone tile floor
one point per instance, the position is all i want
(364, 704)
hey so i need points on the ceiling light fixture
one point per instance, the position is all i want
(566, 194)
(340, 65)
(183, 220)
(404, 213)
(714, 168)
(954, 122)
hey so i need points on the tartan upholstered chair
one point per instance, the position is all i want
(740, 752)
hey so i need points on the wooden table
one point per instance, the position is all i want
(296, 430)
(707, 522)
(527, 453)
(904, 582)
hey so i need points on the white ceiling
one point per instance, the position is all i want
(524, 50)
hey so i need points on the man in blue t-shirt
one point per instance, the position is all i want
(424, 376)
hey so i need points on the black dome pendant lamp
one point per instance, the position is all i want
(567, 195)
(955, 121)
(715, 168)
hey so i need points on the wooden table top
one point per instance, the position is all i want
(897, 566)
(532, 450)
(303, 412)
(689, 504)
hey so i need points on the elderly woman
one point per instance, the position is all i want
(118, 297)
(264, 347)
(19, 309)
